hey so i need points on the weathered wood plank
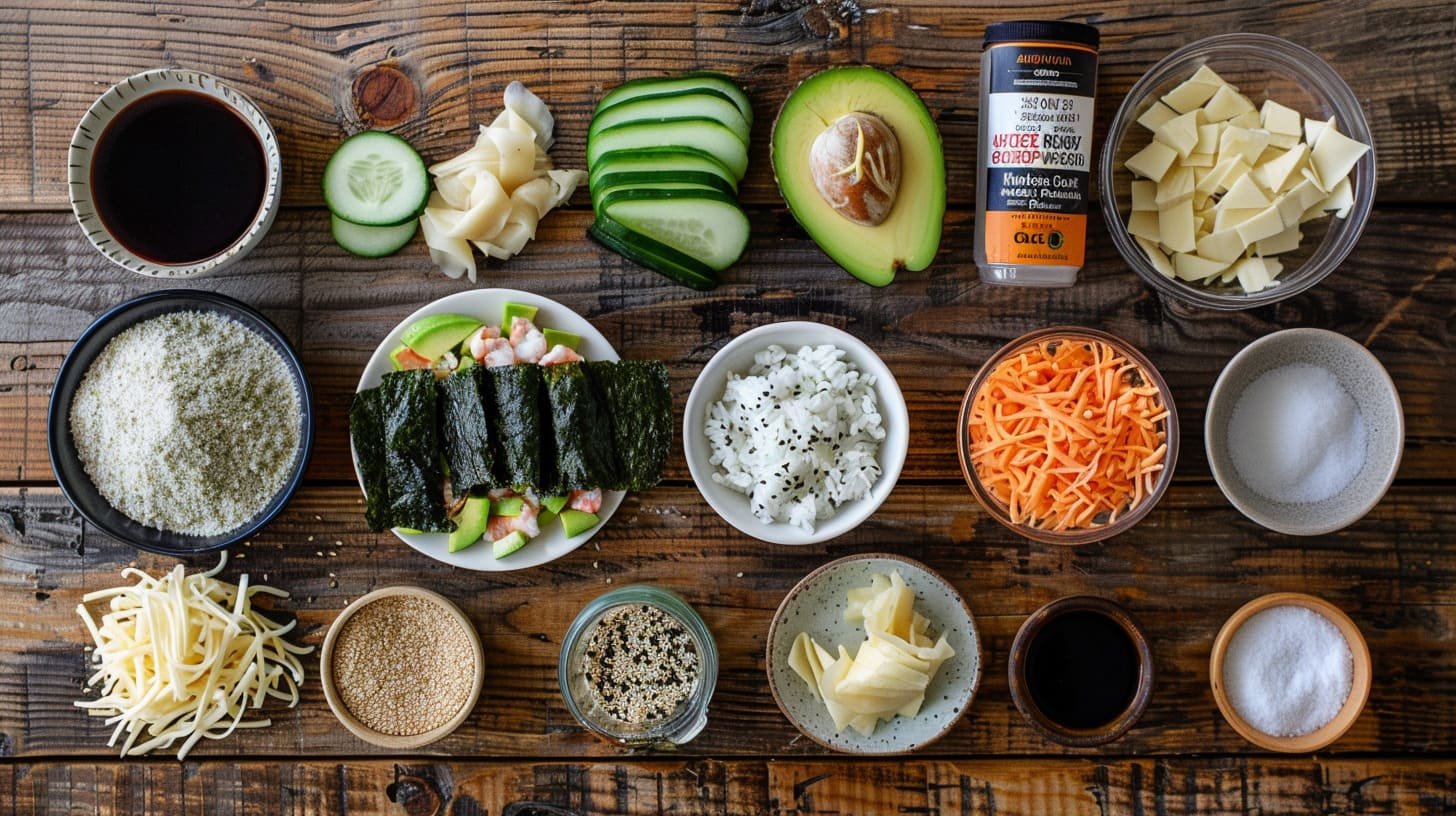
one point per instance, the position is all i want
(1182, 571)
(1195, 787)
(1396, 293)
(299, 61)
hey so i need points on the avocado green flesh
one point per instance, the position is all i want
(433, 335)
(576, 522)
(503, 547)
(557, 337)
(471, 523)
(513, 310)
(910, 237)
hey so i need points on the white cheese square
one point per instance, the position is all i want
(1176, 229)
(1244, 195)
(1243, 143)
(1156, 114)
(1156, 257)
(1144, 224)
(1312, 128)
(1279, 119)
(1175, 188)
(1253, 275)
(1225, 104)
(1264, 225)
(1335, 154)
(1180, 132)
(1286, 241)
(1247, 119)
(1190, 95)
(1152, 161)
(1193, 268)
(1224, 246)
(1229, 217)
(1272, 175)
(1144, 196)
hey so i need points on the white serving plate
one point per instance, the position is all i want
(487, 304)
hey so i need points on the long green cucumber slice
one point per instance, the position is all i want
(652, 254)
(658, 180)
(703, 224)
(695, 81)
(705, 134)
(673, 106)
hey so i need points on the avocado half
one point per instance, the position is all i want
(910, 236)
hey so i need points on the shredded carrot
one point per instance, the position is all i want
(1068, 434)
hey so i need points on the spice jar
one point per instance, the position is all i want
(638, 667)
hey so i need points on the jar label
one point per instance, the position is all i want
(1038, 153)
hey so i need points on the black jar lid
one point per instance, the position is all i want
(1042, 30)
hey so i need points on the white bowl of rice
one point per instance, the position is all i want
(795, 432)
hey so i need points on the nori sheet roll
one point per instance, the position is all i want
(366, 429)
(639, 403)
(412, 452)
(515, 394)
(465, 434)
(581, 430)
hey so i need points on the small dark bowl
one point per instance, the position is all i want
(1021, 692)
(72, 476)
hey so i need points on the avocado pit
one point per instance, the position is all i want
(855, 163)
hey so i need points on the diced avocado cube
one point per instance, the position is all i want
(516, 310)
(503, 547)
(433, 335)
(510, 506)
(557, 337)
(576, 522)
(554, 503)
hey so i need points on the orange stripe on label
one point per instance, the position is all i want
(1052, 239)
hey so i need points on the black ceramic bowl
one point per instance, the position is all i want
(77, 485)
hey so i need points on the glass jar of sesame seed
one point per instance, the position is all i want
(638, 667)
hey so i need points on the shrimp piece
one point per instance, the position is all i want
(498, 352)
(560, 354)
(501, 526)
(479, 343)
(527, 340)
(587, 501)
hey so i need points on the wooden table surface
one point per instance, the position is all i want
(1183, 570)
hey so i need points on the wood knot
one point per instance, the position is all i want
(384, 95)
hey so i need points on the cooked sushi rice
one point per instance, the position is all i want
(799, 434)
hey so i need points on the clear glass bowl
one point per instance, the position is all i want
(690, 718)
(1083, 535)
(1263, 67)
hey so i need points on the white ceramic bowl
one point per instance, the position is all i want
(737, 357)
(1368, 384)
(487, 304)
(816, 605)
(122, 94)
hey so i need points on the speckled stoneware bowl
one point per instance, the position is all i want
(1369, 386)
(816, 605)
(124, 93)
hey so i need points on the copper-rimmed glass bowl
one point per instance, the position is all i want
(1263, 67)
(1083, 535)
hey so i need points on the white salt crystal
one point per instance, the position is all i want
(1288, 671)
(1296, 436)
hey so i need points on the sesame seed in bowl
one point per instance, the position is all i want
(402, 667)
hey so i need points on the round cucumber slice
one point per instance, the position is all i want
(375, 179)
(372, 242)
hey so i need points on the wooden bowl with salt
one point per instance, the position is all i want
(1348, 713)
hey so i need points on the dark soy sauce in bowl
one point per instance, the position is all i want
(1082, 669)
(178, 177)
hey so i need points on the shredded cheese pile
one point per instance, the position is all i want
(1068, 434)
(183, 657)
(494, 194)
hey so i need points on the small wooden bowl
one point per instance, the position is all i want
(394, 741)
(1359, 686)
(1021, 692)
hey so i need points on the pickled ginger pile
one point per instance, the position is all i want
(892, 668)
